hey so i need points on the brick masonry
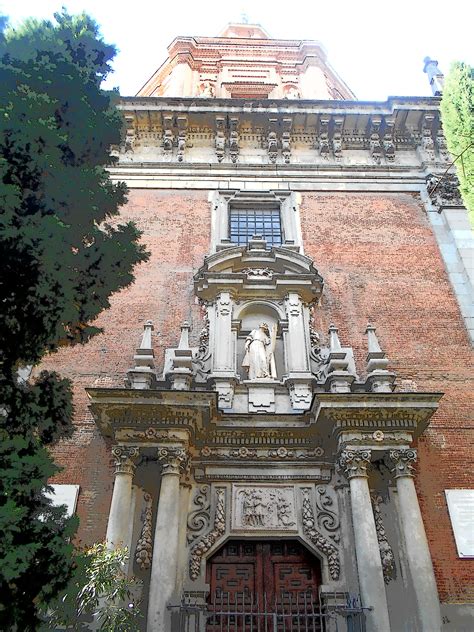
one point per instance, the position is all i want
(380, 262)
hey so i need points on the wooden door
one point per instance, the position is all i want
(253, 584)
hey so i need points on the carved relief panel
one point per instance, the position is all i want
(263, 508)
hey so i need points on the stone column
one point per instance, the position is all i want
(369, 565)
(165, 549)
(120, 518)
(416, 543)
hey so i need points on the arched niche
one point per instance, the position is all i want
(249, 316)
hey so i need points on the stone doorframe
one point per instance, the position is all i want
(269, 511)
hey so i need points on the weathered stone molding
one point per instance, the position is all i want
(125, 459)
(404, 461)
(144, 548)
(249, 453)
(355, 462)
(316, 538)
(206, 542)
(386, 551)
(173, 460)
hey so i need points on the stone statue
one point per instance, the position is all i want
(259, 359)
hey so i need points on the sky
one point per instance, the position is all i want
(376, 46)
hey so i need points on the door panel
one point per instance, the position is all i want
(263, 585)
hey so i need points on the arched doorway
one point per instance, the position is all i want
(264, 585)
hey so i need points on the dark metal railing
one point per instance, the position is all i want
(290, 612)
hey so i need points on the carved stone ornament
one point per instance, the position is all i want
(199, 518)
(354, 462)
(386, 552)
(144, 549)
(251, 454)
(206, 542)
(173, 460)
(263, 508)
(202, 360)
(444, 191)
(234, 139)
(317, 538)
(125, 459)
(327, 517)
(404, 461)
(258, 272)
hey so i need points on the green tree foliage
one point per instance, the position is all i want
(61, 260)
(457, 111)
(100, 589)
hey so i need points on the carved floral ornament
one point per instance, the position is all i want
(125, 458)
(317, 538)
(173, 460)
(144, 549)
(386, 552)
(203, 545)
(404, 461)
(247, 453)
(354, 462)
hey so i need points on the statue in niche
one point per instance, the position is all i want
(259, 359)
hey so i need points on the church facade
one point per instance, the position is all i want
(276, 418)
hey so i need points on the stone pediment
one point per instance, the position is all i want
(252, 271)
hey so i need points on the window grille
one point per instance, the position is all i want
(245, 223)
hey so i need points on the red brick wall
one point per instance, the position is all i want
(380, 262)
(176, 230)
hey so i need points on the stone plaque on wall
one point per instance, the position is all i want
(263, 508)
(461, 511)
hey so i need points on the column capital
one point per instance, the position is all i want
(173, 460)
(404, 461)
(125, 458)
(354, 462)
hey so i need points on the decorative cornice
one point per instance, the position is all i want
(404, 461)
(173, 460)
(125, 458)
(379, 131)
(354, 462)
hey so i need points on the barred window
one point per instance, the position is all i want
(245, 223)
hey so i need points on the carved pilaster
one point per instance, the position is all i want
(125, 458)
(234, 139)
(354, 462)
(168, 136)
(324, 137)
(143, 552)
(337, 138)
(404, 461)
(182, 130)
(130, 134)
(427, 141)
(173, 460)
(286, 139)
(220, 137)
(272, 142)
(375, 141)
(386, 551)
(388, 140)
